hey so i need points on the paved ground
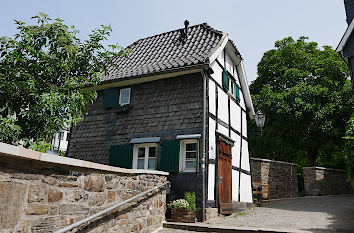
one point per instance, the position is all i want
(313, 214)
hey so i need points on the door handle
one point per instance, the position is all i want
(220, 179)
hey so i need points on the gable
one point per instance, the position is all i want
(229, 57)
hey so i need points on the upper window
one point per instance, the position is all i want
(188, 155)
(145, 156)
(124, 96)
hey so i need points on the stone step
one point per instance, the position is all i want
(174, 227)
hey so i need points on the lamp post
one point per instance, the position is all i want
(260, 119)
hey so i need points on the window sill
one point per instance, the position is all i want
(124, 108)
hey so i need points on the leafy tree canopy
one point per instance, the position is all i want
(306, 96)
(43, 70)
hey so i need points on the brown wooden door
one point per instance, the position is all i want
(225, 178)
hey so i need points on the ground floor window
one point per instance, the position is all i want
(145, 156)
(188, 155)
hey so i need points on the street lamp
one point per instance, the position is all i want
(260, 119)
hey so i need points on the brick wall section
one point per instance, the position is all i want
(162, 108)
(37, 196)
(280, 176)
(325, 181)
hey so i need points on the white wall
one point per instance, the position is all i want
(235, 116)
(223, 112)
(235, 178)
(244, 124)
(212, 141)
(245, 164)
(212, 105)
(245, 188)
(236, 149)
(211, 182)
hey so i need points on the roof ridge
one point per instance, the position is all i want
(204, 25)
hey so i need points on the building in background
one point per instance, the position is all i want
(60, 142)
(346, 45)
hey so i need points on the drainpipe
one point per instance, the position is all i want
(203, 143)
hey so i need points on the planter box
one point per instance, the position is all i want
(183, 216)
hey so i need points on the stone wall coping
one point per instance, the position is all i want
(272, 161)
(324, 168)
(24, 153)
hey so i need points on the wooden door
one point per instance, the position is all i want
(225, 178)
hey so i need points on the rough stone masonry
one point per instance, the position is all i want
(43, 193)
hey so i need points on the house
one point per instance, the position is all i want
(179, 103)
(345, 47)
(59, 142)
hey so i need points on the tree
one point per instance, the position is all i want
(43, 71)
(349, 149)
(306, 95)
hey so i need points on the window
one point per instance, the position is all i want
(124, 97)
(188, 155)
(145, 156)
(61, 135)
(225, 79)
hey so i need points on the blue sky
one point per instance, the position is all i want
(254, 26)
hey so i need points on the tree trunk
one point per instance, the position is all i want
(311, 156)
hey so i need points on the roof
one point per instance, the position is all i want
(345, 37)
(166, 51)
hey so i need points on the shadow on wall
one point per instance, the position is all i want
(319, 181)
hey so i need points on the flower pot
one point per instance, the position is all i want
(183, 216)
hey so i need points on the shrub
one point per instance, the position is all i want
(190, 198)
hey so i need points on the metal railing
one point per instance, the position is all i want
(88, 219)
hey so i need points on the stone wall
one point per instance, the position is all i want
(43, 193)
(325, 181)
(280, 176)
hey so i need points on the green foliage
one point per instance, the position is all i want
(43, 72)
(306, 96)
(190, 198)
(349, 149)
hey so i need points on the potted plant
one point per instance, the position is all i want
(183, 210)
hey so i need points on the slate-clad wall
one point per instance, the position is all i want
(163, 108)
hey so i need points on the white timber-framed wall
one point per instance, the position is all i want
(229, 118)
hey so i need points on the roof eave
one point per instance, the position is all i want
(131, 80)
(345, 38)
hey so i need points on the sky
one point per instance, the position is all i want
(254, 25)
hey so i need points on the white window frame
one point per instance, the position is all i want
(120, 96)
(182, 155)
(146, 159)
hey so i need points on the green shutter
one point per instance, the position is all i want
(237, 93)
(225, 79)
(121, 156)
(169, 160)
(110, 98)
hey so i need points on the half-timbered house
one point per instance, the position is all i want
(179, 103)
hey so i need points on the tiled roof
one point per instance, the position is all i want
(166, 51)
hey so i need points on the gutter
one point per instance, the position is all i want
(203, 144)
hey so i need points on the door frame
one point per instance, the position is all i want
(229, 141)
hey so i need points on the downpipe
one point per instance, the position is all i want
(203, 145)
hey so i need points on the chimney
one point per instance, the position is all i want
(349, 10)
(186, 23)
(184, 33)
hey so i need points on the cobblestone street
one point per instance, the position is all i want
(310, 214)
